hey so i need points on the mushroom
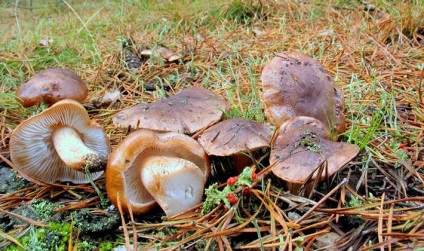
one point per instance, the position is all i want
(50, 86)
(57, 144)
(236, 137)
(149, 168)
(189, 111)
(164, 52)
(301, 147)
(294, 84)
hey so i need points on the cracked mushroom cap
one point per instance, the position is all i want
(302, 145)
(234, 136)
(189, 111)
(149, 168)
(294, 84)
(51, 86)
(57, 144)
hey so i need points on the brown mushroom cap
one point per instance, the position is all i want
(235, 136)
(51, 86)
(294, 84)
(142, 149)
(57, 144)
(189, 111)
(302, 146)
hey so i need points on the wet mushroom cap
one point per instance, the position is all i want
(35, 154)
(294, 84)
(237, 138)
(51, 86)
(234, 136)
(189, 111)
(302, 145)
(148, 149)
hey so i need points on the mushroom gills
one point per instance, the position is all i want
(176, 184)
(74, 153)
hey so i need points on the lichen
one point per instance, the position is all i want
(90, 222)
(9, 183)
(309, 141)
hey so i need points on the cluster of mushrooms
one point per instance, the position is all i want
(159, 163)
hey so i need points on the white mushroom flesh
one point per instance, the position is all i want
(175, 183)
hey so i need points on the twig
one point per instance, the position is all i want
(420, 93)
(30, 221)
(306, 215)
(124, 228)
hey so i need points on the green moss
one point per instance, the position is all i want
(308, 140)
(44, 239)
(56, 237)
(215, 197)
(44, 208)
(354, 220)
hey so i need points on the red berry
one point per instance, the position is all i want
(253, 175)
(401, 146)
(232, 198)
(247, 191)
(232, 180)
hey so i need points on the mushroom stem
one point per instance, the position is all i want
(176, 184)
(74, 153)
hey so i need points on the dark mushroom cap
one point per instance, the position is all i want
(294, 84)
(235, 136)
(302, 145)
(51, 86)
(189, 111)
(32, 150)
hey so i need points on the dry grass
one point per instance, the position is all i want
(376, 57)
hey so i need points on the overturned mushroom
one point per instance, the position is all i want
(302, 147)
(147, 167)
(189, 111)
(51, 86)
(236, 137)
(294, 84)
(58, 144)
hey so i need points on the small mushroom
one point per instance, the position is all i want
(148, 167)
(164, 52)
(236, 137)
(189, 111)
(301, 147)
(294, 84)
(57, 144)
(51, 86)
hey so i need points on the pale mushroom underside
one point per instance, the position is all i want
(33, 153)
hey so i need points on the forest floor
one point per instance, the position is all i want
(373, 50)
